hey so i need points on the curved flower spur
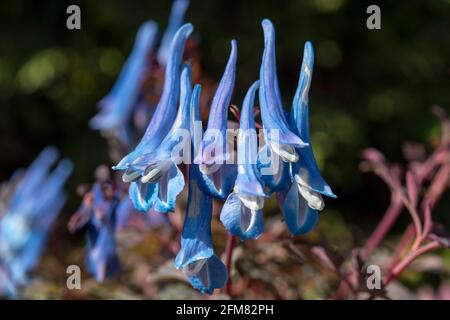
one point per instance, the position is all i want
(127, 102)
(165, 112)
(242, 212)
(217, 170)
(176, 18)
(196, 257)
(159, 167)
(159, 126)
(117, 107)
(281, 141)
(302, 199)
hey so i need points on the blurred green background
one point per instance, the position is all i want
(370, 88)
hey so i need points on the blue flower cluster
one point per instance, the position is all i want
(281, 163)
(30, 203)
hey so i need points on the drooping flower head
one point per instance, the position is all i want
(161, 180)
(34, 204)
(164, 115)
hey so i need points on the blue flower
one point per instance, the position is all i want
(99, 212)
(176, 18)
(242, 212)
(296, 177)
(161, 180)
(34, 205)
(164, 115)
(196, 258)
(217, 176)
(278, 135)
(306, 171)
(117, 107)
(303, 198)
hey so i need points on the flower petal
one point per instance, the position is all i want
(170, 186)
(272, 113)
(165, 112)
(248, 180)
(196, 256)
(217, 121)
(117, 106)
(241, 221)
(212, 274)
(274, 172)
(143, 195)
(299, 217)
(306, 169)
(176, 18)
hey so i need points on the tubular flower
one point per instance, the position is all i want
(117, 107)
(165, 112)
(196, 257)
(278, 135)
(34, 205)
(99, 213)
(176, 18)
(303, 198)
(242, 212)
(217, 176)
(106, 210)
(165, 181)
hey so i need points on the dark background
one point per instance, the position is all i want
(370, 88)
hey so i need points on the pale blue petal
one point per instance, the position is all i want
(102, 258)
(218, 114)
(35, 175)
(117, 106)
(181, 125)
(299, 217)
(211, 276)
(220, 183)
(143, 195)
(164, 115)
(169, 187)
(272, 113)
(279, 178)
(307, 166)
(196, 242)
(175, 20)
(239, 221)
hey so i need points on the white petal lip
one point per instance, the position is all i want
(151, 175)
(252, 202)
(129, 177)
(286, 152)
(247, 227)
(314, 199)
(207, 169)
